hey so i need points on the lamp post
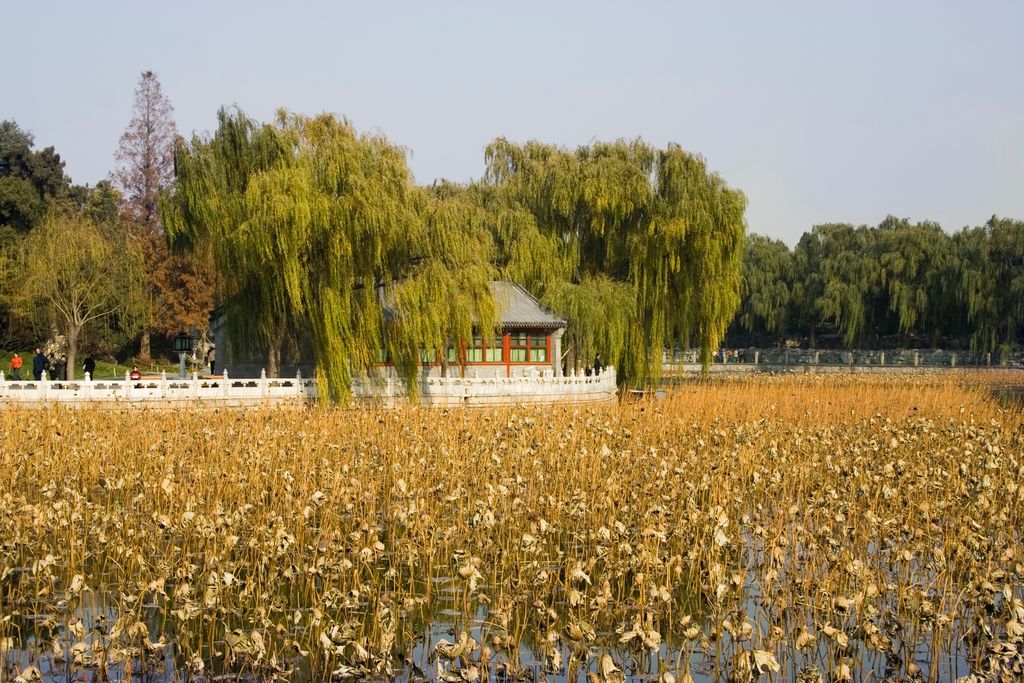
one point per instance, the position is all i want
(183, 345)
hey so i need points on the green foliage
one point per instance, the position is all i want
(77, 274)
(767, 287)
(915, 262)
(602, 314)
(102, 203)
(30, 180)
(315, 227)
(208, 210)
(639, 248)
(851, 274)
(900, 279)
(317, 230)
(992, 282)
(32, 184)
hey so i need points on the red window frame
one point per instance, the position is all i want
(535, 342)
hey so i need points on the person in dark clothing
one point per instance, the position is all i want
(598, 365)
(89, 366)
(40, 363)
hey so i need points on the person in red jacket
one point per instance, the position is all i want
(135, 374)
(16, 363)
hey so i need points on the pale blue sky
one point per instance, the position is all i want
(819, 111)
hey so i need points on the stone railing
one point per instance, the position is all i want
(751, 359)
(164, 391)
(161, 390)
(482, 391)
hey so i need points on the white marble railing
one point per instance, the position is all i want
(453, 391)
(163, 389)
(222, 390)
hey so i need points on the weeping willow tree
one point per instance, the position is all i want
(992, 283)
(208, 208)
(767, 287)
(318, 231)
(916, 267)
(638, 248)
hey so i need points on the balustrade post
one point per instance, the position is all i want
(163, 384)
(126, 387)
(917, 358)
(881, 359)
(263, 383)
(757, 357)
(952, 360)
(988, 359)
(195, 384)
(225, 384)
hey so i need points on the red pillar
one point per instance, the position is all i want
(506, 343)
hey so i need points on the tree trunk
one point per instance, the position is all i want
(144, 349)
(811, 340)
(274, 352)
(274, 361)
(72, 339)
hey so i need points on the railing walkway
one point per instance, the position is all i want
(164, 391)
(480, 391)
(159, 390)
(750, 359)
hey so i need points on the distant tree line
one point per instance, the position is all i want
(897, 284)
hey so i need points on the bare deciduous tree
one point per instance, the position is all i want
(146, 154)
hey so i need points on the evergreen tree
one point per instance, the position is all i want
(31, 181)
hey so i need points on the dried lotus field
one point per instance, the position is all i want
(782, 529)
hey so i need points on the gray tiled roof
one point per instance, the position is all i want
(517, 308)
